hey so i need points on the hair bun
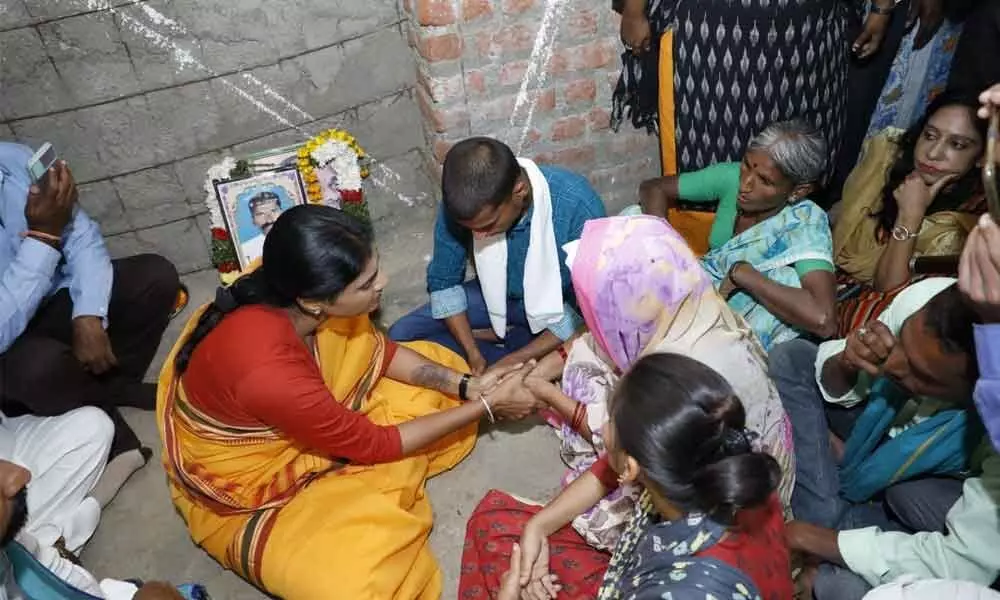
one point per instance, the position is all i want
(225, 301)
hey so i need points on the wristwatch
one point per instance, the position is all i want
(901, 233)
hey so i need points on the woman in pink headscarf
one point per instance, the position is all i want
(640, 290)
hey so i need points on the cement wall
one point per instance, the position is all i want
(142, 96)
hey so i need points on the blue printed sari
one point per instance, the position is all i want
(916, 77)
(799, 232)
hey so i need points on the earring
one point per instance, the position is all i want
(315, 313)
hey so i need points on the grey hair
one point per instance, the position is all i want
(797, 147)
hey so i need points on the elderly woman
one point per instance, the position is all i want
(770, 251)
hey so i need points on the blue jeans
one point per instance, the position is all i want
(421, 325)
(918, 505)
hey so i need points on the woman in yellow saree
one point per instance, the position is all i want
(298, 438)
(914, 193)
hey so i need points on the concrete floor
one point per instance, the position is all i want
(142, 536)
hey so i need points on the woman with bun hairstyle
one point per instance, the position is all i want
(709, 523)
(297, 439)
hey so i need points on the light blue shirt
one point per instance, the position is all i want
(30, 271)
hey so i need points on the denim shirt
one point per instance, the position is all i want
(30, 271)
(574, 202)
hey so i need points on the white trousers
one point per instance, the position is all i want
(66, 456)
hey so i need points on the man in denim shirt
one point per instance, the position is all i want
(76, 328)
(488, 192)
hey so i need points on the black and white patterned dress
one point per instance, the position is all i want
(738, 66)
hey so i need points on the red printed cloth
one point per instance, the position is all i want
(490, 535)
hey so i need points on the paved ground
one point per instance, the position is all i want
(142, 536)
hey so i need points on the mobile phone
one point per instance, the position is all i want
(41, 162)
(990, 166)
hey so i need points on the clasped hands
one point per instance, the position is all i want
(512, 391)
(528, 576)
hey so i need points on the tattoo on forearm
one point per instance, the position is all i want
(434, 377)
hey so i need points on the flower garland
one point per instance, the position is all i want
(341, 152)
(333, 149)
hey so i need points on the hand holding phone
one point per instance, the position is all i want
(990, 165)
(50, 202)
(40, 163)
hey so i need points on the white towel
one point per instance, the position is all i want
(543, 300)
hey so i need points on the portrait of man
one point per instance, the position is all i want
(265, 208)
(251, 206)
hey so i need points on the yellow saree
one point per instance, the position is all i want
(303, 526)
(856, 250)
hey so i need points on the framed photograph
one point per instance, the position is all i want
(329, 183)
(277, 158)
(251, 206)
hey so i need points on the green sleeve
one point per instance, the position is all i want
(709, 184)
(804, 267)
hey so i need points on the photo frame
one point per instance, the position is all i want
(274, 159)
(250, 206)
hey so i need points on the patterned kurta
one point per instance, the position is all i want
(742, 64)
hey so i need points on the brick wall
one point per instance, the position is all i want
(537, 74)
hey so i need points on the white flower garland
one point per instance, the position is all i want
(343, 160)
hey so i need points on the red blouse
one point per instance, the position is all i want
(757, 546)
(253, 370)
(604, 473)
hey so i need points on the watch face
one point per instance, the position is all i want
(901, 233)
